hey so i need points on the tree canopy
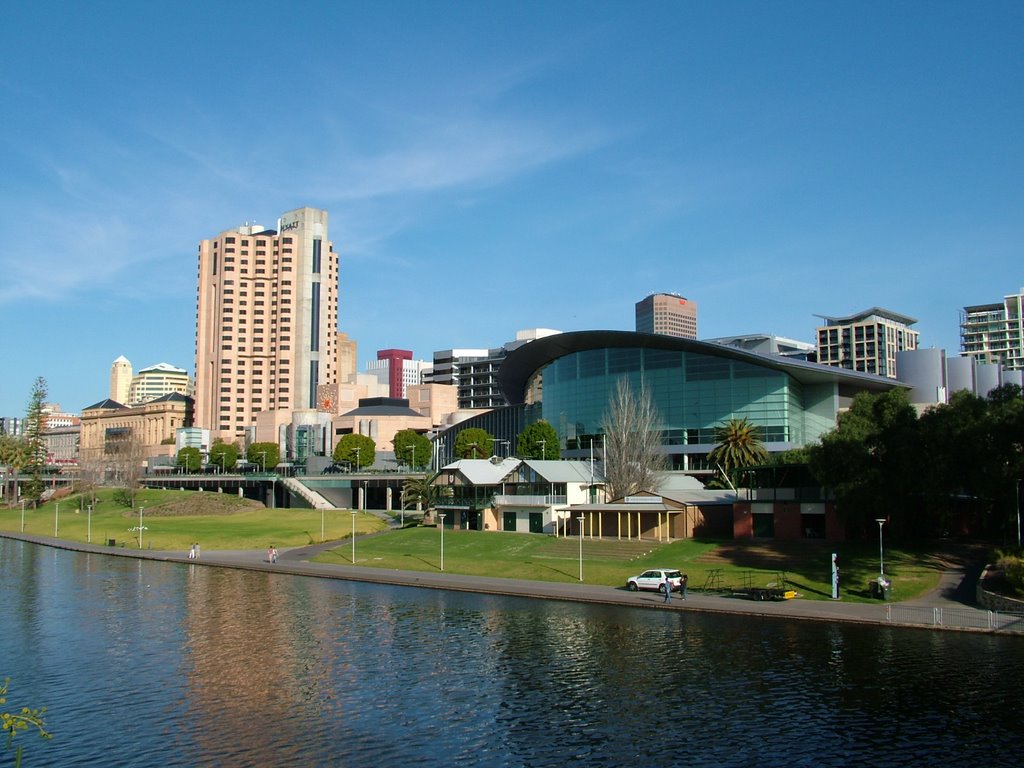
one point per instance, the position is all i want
(35, 423)
(224, 455)
(412, 448)
(264, 455)
(356, 450)
(538, 441)
(190, 459)
(474, 443)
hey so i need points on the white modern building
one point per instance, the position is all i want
(866, 341)
(994, 333)
(156, 381)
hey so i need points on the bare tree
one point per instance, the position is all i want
(126, 455)
(633, 460)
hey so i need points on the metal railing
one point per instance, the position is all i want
(955, 618)
(528, 501)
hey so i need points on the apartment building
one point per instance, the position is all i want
(668, 314)
(867, 341)
(398, 370)
(156, 381)
(266, 321)
(994, 333)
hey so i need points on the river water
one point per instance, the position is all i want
(156, 664)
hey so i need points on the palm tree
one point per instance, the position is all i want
(739, 446)
(422, 491)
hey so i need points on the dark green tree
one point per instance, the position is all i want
(412, 448)
(474, 443)
(420, 491)
(35, 423)
(356, 450)
(871, 461)
(538, 441)
(264, 455)
(14, 455)
(189, 459)
(224, 455)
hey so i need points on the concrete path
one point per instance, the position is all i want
(954, 585)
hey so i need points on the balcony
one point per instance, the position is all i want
(528, 501)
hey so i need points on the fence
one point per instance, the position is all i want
(955, 618)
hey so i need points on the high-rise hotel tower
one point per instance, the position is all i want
(266, 321)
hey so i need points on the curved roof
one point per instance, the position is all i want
(523, 362)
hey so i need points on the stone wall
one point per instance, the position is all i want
(993, 601)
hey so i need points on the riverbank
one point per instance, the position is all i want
(295, 562)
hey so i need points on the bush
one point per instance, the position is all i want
(1012, 567)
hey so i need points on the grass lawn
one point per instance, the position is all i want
(173, 520)
(806, 566)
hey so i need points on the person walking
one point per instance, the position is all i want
(683, 584)
(668, 590)
(273, 554)
(270, 553)
(192, 552)
(196, 547)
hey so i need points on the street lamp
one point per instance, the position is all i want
(141, 528)
(263, 461)
(412, 464)
(321, 525)
(56, 513)
(496, 442)
(357, 458)
(441, 518)
(353, 537)
(544, 453)
(881, 562)
(223, 469)
(22, 515)
(89, 525)
(1018, 513)
(580, 519)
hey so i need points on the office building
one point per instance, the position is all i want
(266, 321)
(867, 341)
(156, 381)
(474, 372)
(397, 369)
(668, 314)
(768, 344)
(994, 333)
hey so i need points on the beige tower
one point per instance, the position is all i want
(120, 380)
(668, 314)
(266, 321)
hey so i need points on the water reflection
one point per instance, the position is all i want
(150, 664)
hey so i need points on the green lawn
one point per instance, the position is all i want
(805, 566)
(173, 520)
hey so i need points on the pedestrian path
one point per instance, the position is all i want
(297, 561)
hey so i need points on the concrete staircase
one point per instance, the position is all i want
(314, 499)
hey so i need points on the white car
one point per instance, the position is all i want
(655, 579)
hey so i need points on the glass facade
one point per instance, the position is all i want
(694, 393)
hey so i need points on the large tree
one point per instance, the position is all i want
(633, 460)
(474, 443)
(420, 491)
(264, 455)
(189, 459)
(224, 455)
(35, 423)
(739, 446)
(14, 455)
(412, 448)
(538, 441)
(356, 450)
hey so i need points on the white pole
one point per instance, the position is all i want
(56, 512)
(89, 528)
(441, 518)
(881, 562)
(581, 518)
(321, 526)
(353, 537)
(22, 515)
(140, 526)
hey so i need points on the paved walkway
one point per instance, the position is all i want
(954, 590)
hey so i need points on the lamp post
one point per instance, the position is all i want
(88, 534)
(223, 468)
(353, 537)
(357, 459)
(22, 515)
(263, 461)
(496, 442)
(881, 562)
(56, 514)
(321, 525)
(580, 519)
(441, 518)
(544, 452)
(412, 463)
(140, 526)
(1018, 513)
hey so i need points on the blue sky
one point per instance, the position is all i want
(490, 167)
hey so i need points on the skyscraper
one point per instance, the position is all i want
(668, 314)
(266, 321)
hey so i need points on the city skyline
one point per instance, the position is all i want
(491, 168)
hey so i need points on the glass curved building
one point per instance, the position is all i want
(569, 380)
